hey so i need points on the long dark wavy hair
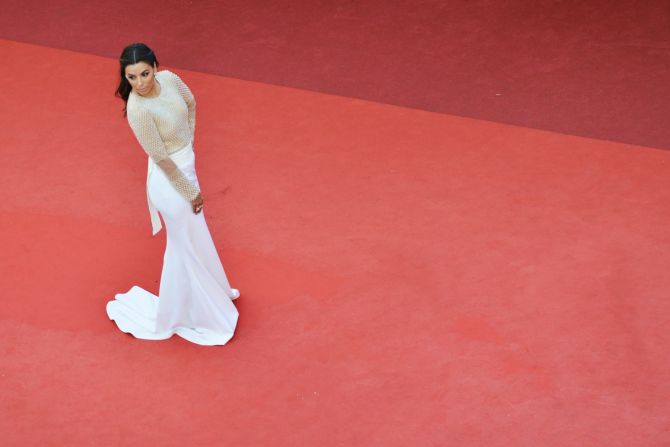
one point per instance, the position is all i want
(132, 54)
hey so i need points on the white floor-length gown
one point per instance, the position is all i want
(195, 298)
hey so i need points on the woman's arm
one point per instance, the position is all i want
(189, 99)
(146, 132)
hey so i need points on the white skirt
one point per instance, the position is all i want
(195, 298)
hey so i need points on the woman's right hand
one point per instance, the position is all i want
(197, 204)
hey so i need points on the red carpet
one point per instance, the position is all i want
(596, 68)
(408, 278)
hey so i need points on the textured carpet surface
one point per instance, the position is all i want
(408, 278)
(593, 68)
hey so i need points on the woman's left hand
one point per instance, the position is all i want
(197, 204)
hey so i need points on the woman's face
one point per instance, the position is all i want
(142, 78)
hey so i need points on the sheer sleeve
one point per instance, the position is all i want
(145, 130)
(189, 99)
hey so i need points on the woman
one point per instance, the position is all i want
(195, 299)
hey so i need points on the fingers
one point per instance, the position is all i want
(197, 204)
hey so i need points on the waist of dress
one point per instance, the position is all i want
(181, 157)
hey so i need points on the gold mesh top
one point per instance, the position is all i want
(164, 124)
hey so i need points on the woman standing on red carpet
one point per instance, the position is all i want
(195, 299)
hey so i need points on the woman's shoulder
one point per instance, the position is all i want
(134, 101)
(134, 107)
(167, 75)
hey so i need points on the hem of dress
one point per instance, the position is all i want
(136, 323)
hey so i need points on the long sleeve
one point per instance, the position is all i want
(189, 99)
(147, 134)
